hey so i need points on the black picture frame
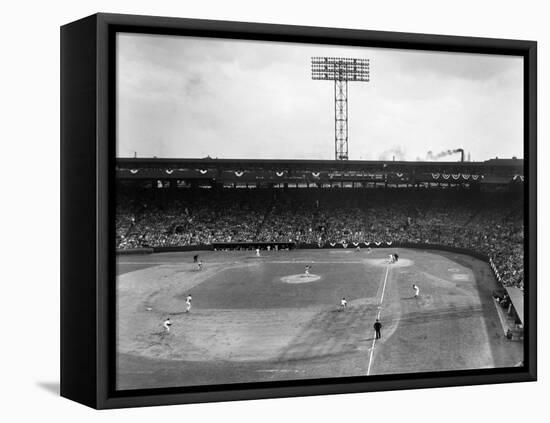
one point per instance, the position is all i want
(87, 209)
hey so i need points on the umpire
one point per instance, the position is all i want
(377, 327)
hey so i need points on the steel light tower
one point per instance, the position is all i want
(340, 70)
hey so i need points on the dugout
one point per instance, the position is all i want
(516, 302)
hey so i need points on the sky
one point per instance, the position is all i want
(189, 97)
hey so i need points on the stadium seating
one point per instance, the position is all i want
(486, 222)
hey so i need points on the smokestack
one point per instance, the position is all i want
(432, 156)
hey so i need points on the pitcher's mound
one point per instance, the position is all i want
(300, 278)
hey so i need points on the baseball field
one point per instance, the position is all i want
(262, 318)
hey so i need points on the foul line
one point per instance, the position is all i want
(378, 317)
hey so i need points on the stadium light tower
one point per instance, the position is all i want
(340, 70)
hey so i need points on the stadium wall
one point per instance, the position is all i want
(186, 248)
(289, 245)
(415, 245)
(134, 251)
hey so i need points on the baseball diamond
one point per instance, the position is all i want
(252, 322)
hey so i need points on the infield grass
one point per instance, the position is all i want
(261, 318)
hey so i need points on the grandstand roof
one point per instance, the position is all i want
(513, 164)
(320, 171)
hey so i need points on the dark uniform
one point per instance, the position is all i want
(377, 327)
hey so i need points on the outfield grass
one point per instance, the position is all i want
(260, 319)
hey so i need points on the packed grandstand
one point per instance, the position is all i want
(486, 221)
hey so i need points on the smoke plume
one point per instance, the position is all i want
(431, 156)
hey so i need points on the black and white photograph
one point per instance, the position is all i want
(278, 211)
(290, 211)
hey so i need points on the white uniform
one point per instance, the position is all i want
(199, 264)
(307, 270)
(416, 291)
(188, 303)
(167, 325)
(343, 303)
(257, 252)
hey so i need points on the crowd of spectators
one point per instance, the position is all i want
(488, 223)
(178, 220)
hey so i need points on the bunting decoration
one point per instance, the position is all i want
(203, 171)
(134, 171)
(279, 174)
(457, 176)
(169, 171)
(239, 173)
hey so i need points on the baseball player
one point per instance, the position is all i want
(167, 323)
(343, 304)
(188, 303)
(416, 291)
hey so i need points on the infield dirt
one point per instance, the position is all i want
(248, 324)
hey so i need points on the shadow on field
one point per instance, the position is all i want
(51, 387)
(454, 313)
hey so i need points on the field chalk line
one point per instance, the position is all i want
(378, 317)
